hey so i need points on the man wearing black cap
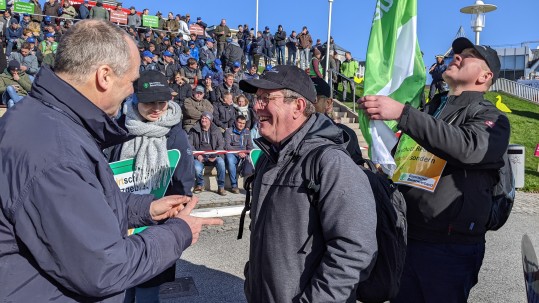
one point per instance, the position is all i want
(300, 249)
(447, 224)
(14, 83)
(436, 70)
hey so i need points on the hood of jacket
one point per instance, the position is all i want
(64, 98)
(317, 130)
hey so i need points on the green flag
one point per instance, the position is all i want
(394, 68)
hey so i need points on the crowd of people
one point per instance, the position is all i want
(32, 40)
(64, 221)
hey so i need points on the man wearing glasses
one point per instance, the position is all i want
(301, 249)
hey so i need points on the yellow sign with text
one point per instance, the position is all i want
(416, 167)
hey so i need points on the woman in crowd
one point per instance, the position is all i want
(241, 105)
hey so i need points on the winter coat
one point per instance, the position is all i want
(302, 251)
(192, 111)
(233, 53)
(224, 115)
(64, 220)
(305, 41)
(51, 10)
(29, 61)
(84, 13)
(134, 19)
(183, 91)
(473, 145)
(292, 44)
(169, 70)
(6, 79)
(193, 75)
(97, 12)
(222, 89)
(221, 37)
(238, 140)
(349, 68)
(207, 54)
(172, 25)
(280, 38)
(216, 138)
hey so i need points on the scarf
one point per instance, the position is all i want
(243, 110)
(149, 147)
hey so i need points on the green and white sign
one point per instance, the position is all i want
(255, 154)
(124, 175)
(22, 7)
(150, 21)
(2, 4)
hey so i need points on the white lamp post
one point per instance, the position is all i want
(478, 11)
(328, 43)
(256, 22)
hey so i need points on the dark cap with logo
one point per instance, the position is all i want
(282, 77)
(152, 86)
(322, 87)
(487, 53)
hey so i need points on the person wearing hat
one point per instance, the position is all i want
(213, 69)
(194, 106)
(147, 62)
(221, 33)
(200, 39)
(47, 49)
(160, 21)
(324, 105)
(184, 56)
(25, 22)
(14, 32)
(205, 136)
(316, 70)
(153, 121)
(195, 54)
(280, 43)
(337, 250)
(14, 83)
(167, 66)
(208, 52)
(133, 19)
(233, 53)
(436, 71)
(237, 72)
(446, 227)
(99, 12)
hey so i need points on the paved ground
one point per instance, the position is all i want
(212, 270)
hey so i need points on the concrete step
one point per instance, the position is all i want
(210, 180)
(2, 110)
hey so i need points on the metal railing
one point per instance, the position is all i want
(516, 89)
(343, 78)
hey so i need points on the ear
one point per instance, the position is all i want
(329, 105)
(299, 108)
(104, 77)
(485, 77)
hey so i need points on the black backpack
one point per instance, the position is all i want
(391, 229)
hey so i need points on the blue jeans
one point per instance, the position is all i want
(232, 161)
(280, 55)
(13, 96)
(292, 56)
(142, 295)
(219, 164)
(9, 46)
(439, 272)
(304, 58)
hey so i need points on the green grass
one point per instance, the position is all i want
(524, 120)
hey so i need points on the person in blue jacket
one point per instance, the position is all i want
(63, 218)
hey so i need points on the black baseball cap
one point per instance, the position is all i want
(322, 87)
(152, 86)
(487, 53)
(282, 77)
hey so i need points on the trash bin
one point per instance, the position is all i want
(516, 155)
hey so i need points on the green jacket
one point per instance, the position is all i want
(6, 79)
(349, 68)
(99, 13)
(222, 37)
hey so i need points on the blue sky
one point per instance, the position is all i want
(513, 22)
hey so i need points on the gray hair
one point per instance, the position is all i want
(309, 108)
(90, 44)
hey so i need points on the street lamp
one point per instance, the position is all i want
(256, 22)
(328, 43)
(478, 11)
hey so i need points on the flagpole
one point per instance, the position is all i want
(328, 43)
(256, 22)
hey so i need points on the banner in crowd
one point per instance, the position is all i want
(124, 176)
(150, 21)
(196, 29)
(2, 4)
(394, 68)
(118, 17)
(23, 7)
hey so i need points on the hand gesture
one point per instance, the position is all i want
(196, 223)
(167, 207)
(241, 155)
(381, 107)
(200, 158)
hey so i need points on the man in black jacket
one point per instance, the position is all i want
(280, 42)
(460, 139)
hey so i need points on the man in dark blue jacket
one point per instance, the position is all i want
(64, 220)
(238, 138)
(436, 70)
(465, 137)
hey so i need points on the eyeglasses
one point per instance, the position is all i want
(266, 98)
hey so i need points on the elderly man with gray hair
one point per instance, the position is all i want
(304, 247)
(64, 220)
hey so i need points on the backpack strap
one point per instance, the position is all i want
(247, 185)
